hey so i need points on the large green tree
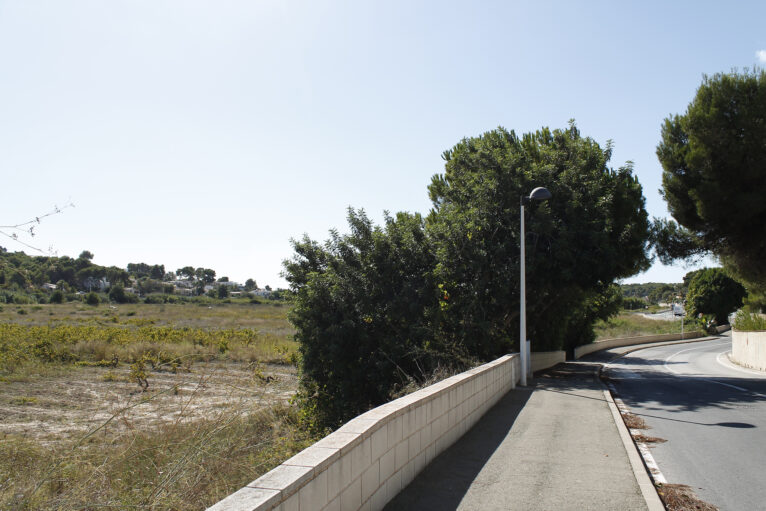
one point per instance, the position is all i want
(592, 231)
(383, 305)
(714, 176)
(713, 292)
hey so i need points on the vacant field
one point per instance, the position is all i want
(142, 406)
(168, 336)
(633, 324)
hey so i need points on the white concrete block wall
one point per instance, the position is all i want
(370, 459)
(632, 341)
(748, 349)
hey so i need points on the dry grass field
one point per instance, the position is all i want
(142, 406)
(631, 324)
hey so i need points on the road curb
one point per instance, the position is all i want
(645, 484)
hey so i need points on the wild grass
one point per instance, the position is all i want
(176, 445)
(171, 335)
(181, 466)
(632, 325)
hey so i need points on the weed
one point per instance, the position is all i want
(633, 421)
(649, 439)
(138, 373)
(679, 497)
(185, 465)
(23, 400)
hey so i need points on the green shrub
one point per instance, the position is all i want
(92, 299)
(748, 322)
(57, 297)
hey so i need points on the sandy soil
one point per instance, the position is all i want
(79, 400)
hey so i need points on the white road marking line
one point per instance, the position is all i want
(651, 465)
(671, 370)
(723, 358)
(724, 384)
(669, 357)
(657, 475)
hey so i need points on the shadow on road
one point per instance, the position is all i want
(681, 392)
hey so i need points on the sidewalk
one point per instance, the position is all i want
(553, 445)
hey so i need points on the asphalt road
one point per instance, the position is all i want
(711, 412)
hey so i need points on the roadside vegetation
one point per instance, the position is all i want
(749, 322)
(633, 325)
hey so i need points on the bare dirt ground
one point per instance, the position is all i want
(51, 407)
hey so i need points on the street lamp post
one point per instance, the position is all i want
(538, 193)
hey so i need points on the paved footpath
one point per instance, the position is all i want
(550, 446)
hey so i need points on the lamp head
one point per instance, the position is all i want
(539, 193)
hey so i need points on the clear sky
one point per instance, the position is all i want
(210, 133)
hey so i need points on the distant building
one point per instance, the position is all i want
(183, 291)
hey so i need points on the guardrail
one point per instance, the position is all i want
(370, 459)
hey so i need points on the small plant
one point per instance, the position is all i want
(21, 311)
(138, 373)
(110, 376)
(23, 400)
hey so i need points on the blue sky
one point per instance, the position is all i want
(210, 133)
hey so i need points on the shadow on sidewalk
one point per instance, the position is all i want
(445, 481)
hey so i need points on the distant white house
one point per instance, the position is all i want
(183, 291)
(94, 284)
(49, 287)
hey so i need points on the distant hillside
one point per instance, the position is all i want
(36, 277)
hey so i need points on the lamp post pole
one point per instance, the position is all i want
(523, 306)
(538, 193)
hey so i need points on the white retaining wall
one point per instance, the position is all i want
(749, 349)
(630, 341)
(370, 459)
(545, 359)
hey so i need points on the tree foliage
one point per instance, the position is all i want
(363, 305)
(713, 292)
(592, 231)
(714, 175)
(381, 306)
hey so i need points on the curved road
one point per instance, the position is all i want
(711, 412)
